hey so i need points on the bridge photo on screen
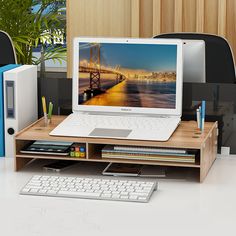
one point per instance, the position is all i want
(127, 75)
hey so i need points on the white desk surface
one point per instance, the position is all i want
(179, 207)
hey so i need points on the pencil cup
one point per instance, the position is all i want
(45, 120)
(49, 121)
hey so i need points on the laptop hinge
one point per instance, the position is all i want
(125, 114)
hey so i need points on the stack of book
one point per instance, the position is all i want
(149, 153)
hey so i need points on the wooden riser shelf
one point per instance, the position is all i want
(186, 137)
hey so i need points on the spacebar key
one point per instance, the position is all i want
(79, 194)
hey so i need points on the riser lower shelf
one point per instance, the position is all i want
(93, 159)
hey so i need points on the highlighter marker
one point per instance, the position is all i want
(44, 109)
(50, 107)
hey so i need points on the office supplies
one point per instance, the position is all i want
(131, 153)
(44, 110)
(20, 102)
(125, 169)
(203, 111)
(149, 171)
(150, 149)
(72, 151)
(82, 152)
(2, 127)
(198, 118)
(78, 150)
(121, 169)
(50, 108)
(59, 165)
(48, 148)
(90, 188)
(140, 99)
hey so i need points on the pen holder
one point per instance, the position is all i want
(47, 121)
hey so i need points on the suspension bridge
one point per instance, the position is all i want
(95, 70)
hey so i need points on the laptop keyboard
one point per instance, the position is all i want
(120, 122)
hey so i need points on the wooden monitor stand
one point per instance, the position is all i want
(186, 136)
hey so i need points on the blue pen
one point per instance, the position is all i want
(203, 114)
(200, 120)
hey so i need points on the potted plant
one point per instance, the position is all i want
(34, 24)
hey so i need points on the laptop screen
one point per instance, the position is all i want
(127, 75)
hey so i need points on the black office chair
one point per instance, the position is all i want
(220, 66)
(7, 50)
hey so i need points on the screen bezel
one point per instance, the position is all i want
(130, 110)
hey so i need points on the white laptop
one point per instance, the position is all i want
(125, 89)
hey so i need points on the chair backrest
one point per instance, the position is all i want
(7, 50)
(220, 66)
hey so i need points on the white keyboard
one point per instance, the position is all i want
(91, 188)
(123, 122)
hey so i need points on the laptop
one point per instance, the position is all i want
(125, 88)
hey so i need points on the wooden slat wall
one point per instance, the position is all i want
(207, 16)
(230, 24)
(115, 18)
(211, 20)
(145, 18)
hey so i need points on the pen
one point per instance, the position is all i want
(200, 115)
(44, 109)
(198, 118)
(50, 107)
(203, 114)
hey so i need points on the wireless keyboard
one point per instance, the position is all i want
(90, 188)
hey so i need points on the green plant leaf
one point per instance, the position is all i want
(30, 29)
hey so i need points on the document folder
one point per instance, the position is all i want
(2, 128)
(20, 102)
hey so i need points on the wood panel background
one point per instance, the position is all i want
(145, 18)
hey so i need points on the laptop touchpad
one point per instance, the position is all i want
(110, 132)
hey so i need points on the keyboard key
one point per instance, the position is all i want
(106, 195)
(133, 197)
(89, 191)
(79, 194)
(42, 191)
(138, 194)
(36, 177)
(35, 184)
(32, 190)
(142, 198)
(26, 190)
(124, 197)
(51, 192)
(106, 191)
